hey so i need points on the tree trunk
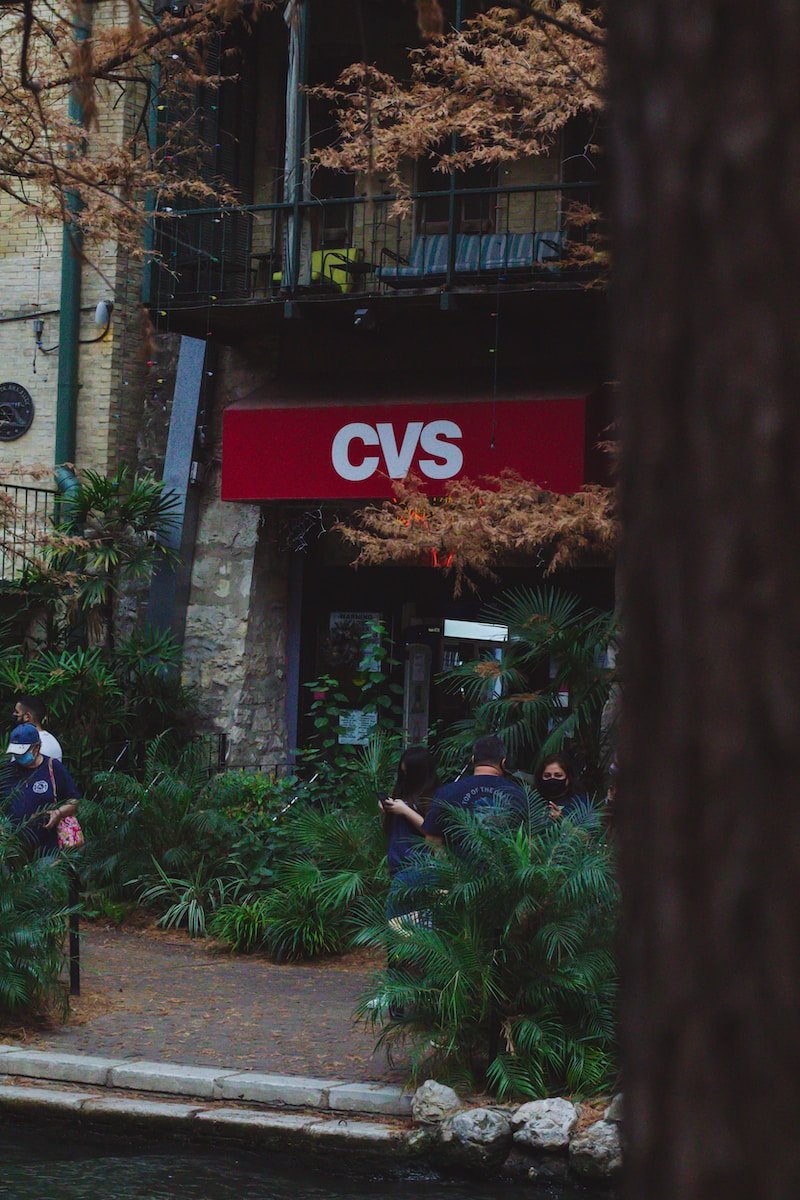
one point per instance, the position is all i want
(706, 119)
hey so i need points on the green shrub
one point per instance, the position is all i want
(547, 690)
(33, 912)
(334, 857)
(190, 902)
(130, 822)
(508, 981)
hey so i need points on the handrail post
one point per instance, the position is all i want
(451, 208)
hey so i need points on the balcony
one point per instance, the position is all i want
(345, 251)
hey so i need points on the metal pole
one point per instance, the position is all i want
(150, 198)
(74, 934)
(71, 262)
(451, 213)
(301, 102)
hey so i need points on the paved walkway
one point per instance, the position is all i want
(166, 998)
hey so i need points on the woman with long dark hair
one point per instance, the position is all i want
(405, 809)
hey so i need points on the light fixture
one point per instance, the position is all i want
(364, 319)
(102, 314)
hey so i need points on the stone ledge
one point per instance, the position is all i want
(265, 1129)
(370, 1098)
(208, 1083)
(67, 1068)
(170, 1078)
(291, 1091)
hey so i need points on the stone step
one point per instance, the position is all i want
(256, 1129)
(207, 1083)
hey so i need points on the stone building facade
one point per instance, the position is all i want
(291, 295)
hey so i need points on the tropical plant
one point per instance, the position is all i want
(130, 822)
(364, 687)
(503, 969)
(33, 910)
(547, 690)
(115, 530)
(97, 697)
(335, 857)
(190, 901)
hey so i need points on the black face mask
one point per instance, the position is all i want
(553, 789)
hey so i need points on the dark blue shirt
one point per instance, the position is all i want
(29, 790)
(483, 795)
(404, 839)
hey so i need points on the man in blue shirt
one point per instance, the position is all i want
(486, 792)
(38, 791)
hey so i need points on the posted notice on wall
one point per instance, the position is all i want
(353, 628)
(356, 725)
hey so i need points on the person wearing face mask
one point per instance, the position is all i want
(556, 783)
(38, 791)
(29, 710)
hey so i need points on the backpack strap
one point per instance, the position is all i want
(52, 778)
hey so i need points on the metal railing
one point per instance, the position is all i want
(25, 514)
(506, 237)
(127, 755)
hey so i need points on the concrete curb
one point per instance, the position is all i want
(207, 1083)
(260, 1130)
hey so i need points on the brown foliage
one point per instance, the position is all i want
(476, 527)
(47, 162)
(500, 89)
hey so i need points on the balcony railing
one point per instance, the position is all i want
(508, 237)
(26, 513)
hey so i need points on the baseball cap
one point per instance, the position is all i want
(22, 738)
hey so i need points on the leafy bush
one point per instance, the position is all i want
(163, 818)
(33, 912)
(96, 697)
(334, 858)
(189, 901)
(547, 690)
(505, 975)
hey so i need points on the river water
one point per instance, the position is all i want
(44, 1165)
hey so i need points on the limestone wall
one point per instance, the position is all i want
(235, 640)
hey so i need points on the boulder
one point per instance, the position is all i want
(476, 1137)
(544, 1124)
(422, 1141)
(546, 1167)
(596, 1153)
(432, 1102)
(614, 1113)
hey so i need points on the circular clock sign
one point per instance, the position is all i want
(16, 411)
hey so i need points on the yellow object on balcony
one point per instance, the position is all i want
(330, 266)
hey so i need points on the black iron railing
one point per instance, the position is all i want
(128, 755)
(26, 513)
(516, 236)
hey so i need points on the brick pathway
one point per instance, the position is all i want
(164, 997)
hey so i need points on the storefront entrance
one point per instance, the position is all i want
(429, 631)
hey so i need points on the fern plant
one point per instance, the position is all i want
(547, 690)
(504, 969)
(130, 823)
(335, 858)
(33, 911)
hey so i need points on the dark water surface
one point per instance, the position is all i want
(51, 1166)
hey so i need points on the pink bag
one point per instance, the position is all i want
(68, 830)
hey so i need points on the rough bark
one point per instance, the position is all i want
(706, 115)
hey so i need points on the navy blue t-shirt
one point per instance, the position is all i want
(404, 839)
(491, 795)
(29, 790)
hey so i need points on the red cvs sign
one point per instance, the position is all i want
(358, 451)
